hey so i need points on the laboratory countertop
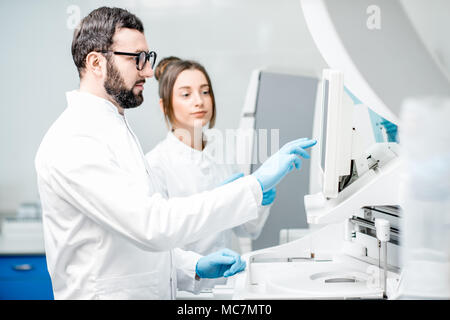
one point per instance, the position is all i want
(21, 237)
(21, 245)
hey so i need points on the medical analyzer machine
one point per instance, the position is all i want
(359, 211)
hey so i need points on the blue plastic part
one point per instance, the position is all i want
(24, 278)
(351, 95)
(377, 122)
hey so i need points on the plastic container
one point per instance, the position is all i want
(425, 198)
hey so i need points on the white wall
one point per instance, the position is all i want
(229, 37)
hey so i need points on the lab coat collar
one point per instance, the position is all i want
(85, 99)
(185, 150)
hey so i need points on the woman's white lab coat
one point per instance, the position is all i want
(183, 171)
(107, 233)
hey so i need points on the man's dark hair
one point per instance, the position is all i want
(96, 32)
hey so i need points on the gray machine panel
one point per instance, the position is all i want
(285, 102)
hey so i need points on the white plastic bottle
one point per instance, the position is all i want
(425, 198)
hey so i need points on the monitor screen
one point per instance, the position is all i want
(335, 132)
(323, 139)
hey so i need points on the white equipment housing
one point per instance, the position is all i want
(339, 258)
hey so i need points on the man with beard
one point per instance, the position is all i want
(108, 233)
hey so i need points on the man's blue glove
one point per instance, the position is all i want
(268, 197)
(273, 170)
(223, 263)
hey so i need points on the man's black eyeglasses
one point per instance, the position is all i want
(140, 57)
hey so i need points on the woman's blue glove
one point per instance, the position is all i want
(273, 170)
(223, 263)
(268, 197)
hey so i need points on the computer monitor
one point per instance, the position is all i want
(335, 141)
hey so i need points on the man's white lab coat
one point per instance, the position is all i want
(107, 233)
(181, 171)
